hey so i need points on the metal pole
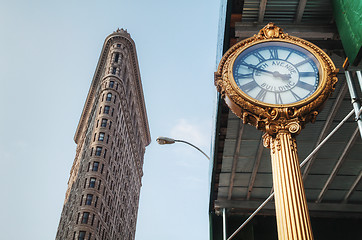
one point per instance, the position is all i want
(251, 216)
(355, 101)
(301, 165)
(327, 138)
(176, 140)
(224, 223)
(359, 76)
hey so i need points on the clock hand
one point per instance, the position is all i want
(259, 69)
(282, 76)
(275, 73)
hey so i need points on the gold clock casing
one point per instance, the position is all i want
(273, 117)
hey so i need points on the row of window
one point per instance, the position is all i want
(92, 183)
(94, 167)
(104, 122)
(101, 136)
(81, 235)
(85, 218)
(98, 152)
(116, 57)
(88, 200)
(109, 97)
(117, 71)
(106, 110)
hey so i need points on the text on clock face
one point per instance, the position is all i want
(276, 73)
(278, 63)
(283, 88)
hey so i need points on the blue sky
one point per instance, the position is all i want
(48, 55)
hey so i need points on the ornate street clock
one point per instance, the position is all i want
(273, 76)
(278, 83)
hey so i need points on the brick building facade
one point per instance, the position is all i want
(102, 198)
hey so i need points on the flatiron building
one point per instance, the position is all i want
(101, 201)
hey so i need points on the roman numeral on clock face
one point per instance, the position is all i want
(248, 75)
(290, 53)
(249, 86)
(278, 98)
(301, 63)
(273, 53)
(305, 86)
(306, 74)
(261, 95)
(259, 56)
(297, 98)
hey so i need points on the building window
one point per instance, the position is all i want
(88, 201)
(112, 112)
(118, 45)
(85, 217)
(110, 124)
(95, 166)
(111, 84)
(104, 122)
(106, 109)
(81, 235)
(114, 70)
(105, 152)
(116, 57)
(101, 136)
(98, 151)
(109, 97)
(92, 182)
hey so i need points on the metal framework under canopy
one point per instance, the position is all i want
(241, 169)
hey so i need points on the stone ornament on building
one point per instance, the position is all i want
(275, 81)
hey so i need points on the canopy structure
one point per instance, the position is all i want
(241, 177)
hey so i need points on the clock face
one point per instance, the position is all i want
(276, 72)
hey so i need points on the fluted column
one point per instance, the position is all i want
(290, 203)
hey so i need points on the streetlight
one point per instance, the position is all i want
(166, 140)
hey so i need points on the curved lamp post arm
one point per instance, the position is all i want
(165, 140)
(194, 147)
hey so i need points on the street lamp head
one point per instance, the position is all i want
(165, 140)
